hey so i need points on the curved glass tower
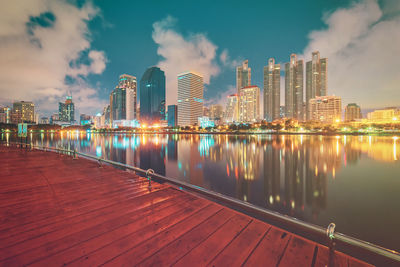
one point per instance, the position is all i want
(152, 96)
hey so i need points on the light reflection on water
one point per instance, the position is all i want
(350, 180)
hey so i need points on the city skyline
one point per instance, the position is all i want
(90, 67)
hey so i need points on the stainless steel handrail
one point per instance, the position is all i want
(267, 214)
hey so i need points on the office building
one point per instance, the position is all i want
(326, 109)
(152, 96)
(272, 90)
(352, 112)
(386, 115)
(123, 100)
(243, 75)
(66, 110)
(294, 88)
(172, 115)
(23, 111)
(249, 104)
(190, 98)
(5, 114)
(316, 79)
(232, 109)
(216, 112)
(85, 119)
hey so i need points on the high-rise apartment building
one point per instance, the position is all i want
(352, 112)
(190, 98)
(272, 90)
(243, 75)
(249, 104)
(152, 96)
(316, 79)
(216, 112)
(123, 99)
(294, 88)
(326, 109)
(23, 111)
(232, 109)
(66, 110)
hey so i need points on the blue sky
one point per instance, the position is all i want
(51, 48)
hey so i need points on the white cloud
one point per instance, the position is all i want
(38, 41)
(227, 61)
(183, 53)
(221, 97)
(361, 43)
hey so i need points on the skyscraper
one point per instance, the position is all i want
(294, 88)
(316, 79)
(232, 109)
(352, 112)
(190, 98)
(123, 99)
(152, 96)
(272, 90)
(249, 104)
(216, 112)
(66, 110)
(23, 111)
(172, 115)
(243, 75)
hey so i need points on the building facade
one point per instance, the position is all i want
(243, 75)
(352, 112)
(272, 90)
(216, 112)
(123, 99)
(172, 115)
(23, 111)
(5, 114)
(66, 110)
(232, 109)
(249, 104)
(387, 115)
(316, 79)
(294, 88)
(326, 109)
(190, 98)
(152, 96)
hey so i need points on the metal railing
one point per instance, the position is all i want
(353, 246)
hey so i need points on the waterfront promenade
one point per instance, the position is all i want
(59, 211)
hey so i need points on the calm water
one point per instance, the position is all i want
(353, 181)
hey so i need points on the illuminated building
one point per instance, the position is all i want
(243, 75)
(272, 90)
(23, 111)
(152, 96)
(294, 88)
(44, 120)
(205, 122)
(172, 115)
(352, 112)
(5, 115)
(123, 100)
(216, 112)
(232, 109)
(190, 98)
(316, 79)
(66, 110)
(249, 104)
(387, 115)
(85, 119)
(206, 111)
(282, 111)
(54, 118)
(326, 109)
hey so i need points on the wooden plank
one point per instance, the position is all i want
(270, 249)
(209, 248)
(242, 245)
(299, 252)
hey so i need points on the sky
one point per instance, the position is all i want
(51, 48)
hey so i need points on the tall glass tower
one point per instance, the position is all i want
(294, 88)
(190, 98)
(272, 90)
(152, 95)
(316, 79)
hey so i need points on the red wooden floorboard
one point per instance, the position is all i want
(56, 211)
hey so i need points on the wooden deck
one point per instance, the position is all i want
(58, 211)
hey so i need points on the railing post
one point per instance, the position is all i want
(100, 164)
(149, 172)
(75, 155)
(330, 233)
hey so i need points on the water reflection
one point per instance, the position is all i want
(308, 177)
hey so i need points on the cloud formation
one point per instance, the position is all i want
(183, 53)
(361, 43)
(39, 42)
